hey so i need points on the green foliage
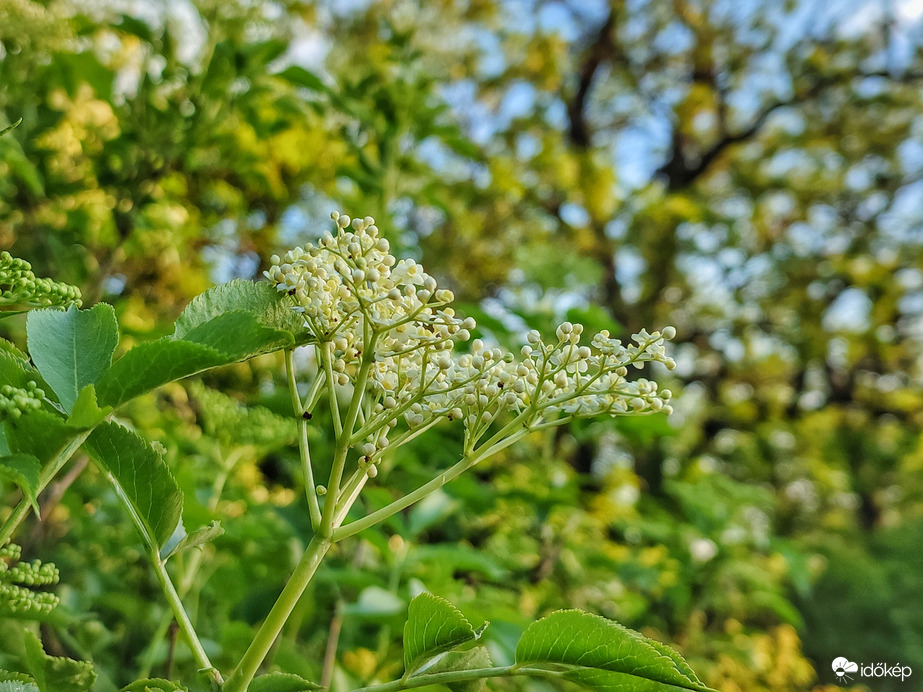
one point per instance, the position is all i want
(603, 655)
(143, 477)
(72, 349)
(433, 627)
(53, 673)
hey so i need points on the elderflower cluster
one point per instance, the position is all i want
(20, 287)
(14, 401)
(363, 305)
(15, 576)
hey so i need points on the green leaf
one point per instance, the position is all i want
(23, 470)
(603, 655)
(148, 366)
(53, 674)
(433, 626)
(40, 433)
(226, 338)
(86, 412)
(72, 348)
(143, 477)
(154, 685)
(11, 127)
(239, 335)
(197, 538)
(478, 657)
(267, 305)
(301, 77)
(282, 682)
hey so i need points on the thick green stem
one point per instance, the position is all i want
(48, 472)
(182, 619)
(454, 676)
(243, 674)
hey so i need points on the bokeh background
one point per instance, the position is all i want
(750, 172)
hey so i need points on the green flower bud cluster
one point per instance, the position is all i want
(20, 287)
(16, 597)
(233, 423)
(14, 401)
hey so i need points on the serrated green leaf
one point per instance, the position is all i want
(433, 626)
(197, 538)
(603, 655)
(53, 674)
(261, 300)
(144, 478)
(40, 433)
(282, 682)
(225, 339)
(154, 685)
(23, 470)
(72, 348)
(148, 366)
(10, 676)
(239, 335)
(87, 412)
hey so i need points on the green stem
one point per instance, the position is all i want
(344, 434)
(303, 446)
(454, 676)
(182, 619)
(416, 495)
(48, 472)
(242, 675)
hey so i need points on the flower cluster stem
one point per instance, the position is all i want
(243, 674)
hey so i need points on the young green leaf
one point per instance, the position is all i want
(86, 412)
(282, 682)
(142, 477)
(154, 685)
(53, 674)
(603, 655)
(23, 470)
(72, 348)
(260, 300)
(433, 626)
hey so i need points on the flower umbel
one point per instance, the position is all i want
(364, 305)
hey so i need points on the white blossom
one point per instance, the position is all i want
(363, 305)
